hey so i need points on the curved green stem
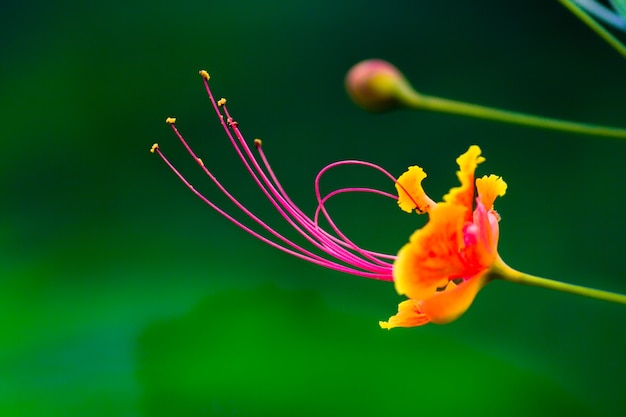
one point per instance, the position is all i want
(502, 271)
(595, 26)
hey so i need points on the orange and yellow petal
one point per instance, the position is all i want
(464, 194)
(441, 308)
(411, 195)
(450, 304)
(408, 315)
(489, 187)
(431, 257)
(407, 270)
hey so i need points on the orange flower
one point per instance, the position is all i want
(445, 263)
(440, 270)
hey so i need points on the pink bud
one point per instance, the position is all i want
(377, 85)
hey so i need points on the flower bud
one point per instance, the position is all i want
(377, 86)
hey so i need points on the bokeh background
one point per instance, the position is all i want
(121, 294)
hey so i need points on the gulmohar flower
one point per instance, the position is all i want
(442, 267)
(446, 262)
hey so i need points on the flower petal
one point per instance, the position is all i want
(450, 304)
(464, 195)
(408, 316)
(488, 231)
(432, 256)
(490, 187)
(411, 195)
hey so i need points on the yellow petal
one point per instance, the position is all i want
(464, 194)
(447, 306)
(411, 195)
(490, 187)
(408, 316)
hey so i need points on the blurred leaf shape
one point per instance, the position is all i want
(274, 352)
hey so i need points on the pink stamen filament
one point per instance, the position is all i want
(344, 241)
(332, 223)
(355, 260)
(303, 254)
(287, 208)
(280, 199)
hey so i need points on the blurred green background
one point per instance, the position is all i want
(121, 294)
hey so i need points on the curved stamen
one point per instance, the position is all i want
(294, 216)
(354, 190)
(312, 225)
(313, 259)
(345, 255)
(285, 206)
(321, 207)
(327, 242)
(309, 255)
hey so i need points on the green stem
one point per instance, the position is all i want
(502, 271)
(405, 94)
(490, 113)
(595, 26)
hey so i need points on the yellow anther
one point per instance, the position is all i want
(200, 162)
(154, 148)
(170, 120)
(258, 142)
(204, 75)
(221, 101)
